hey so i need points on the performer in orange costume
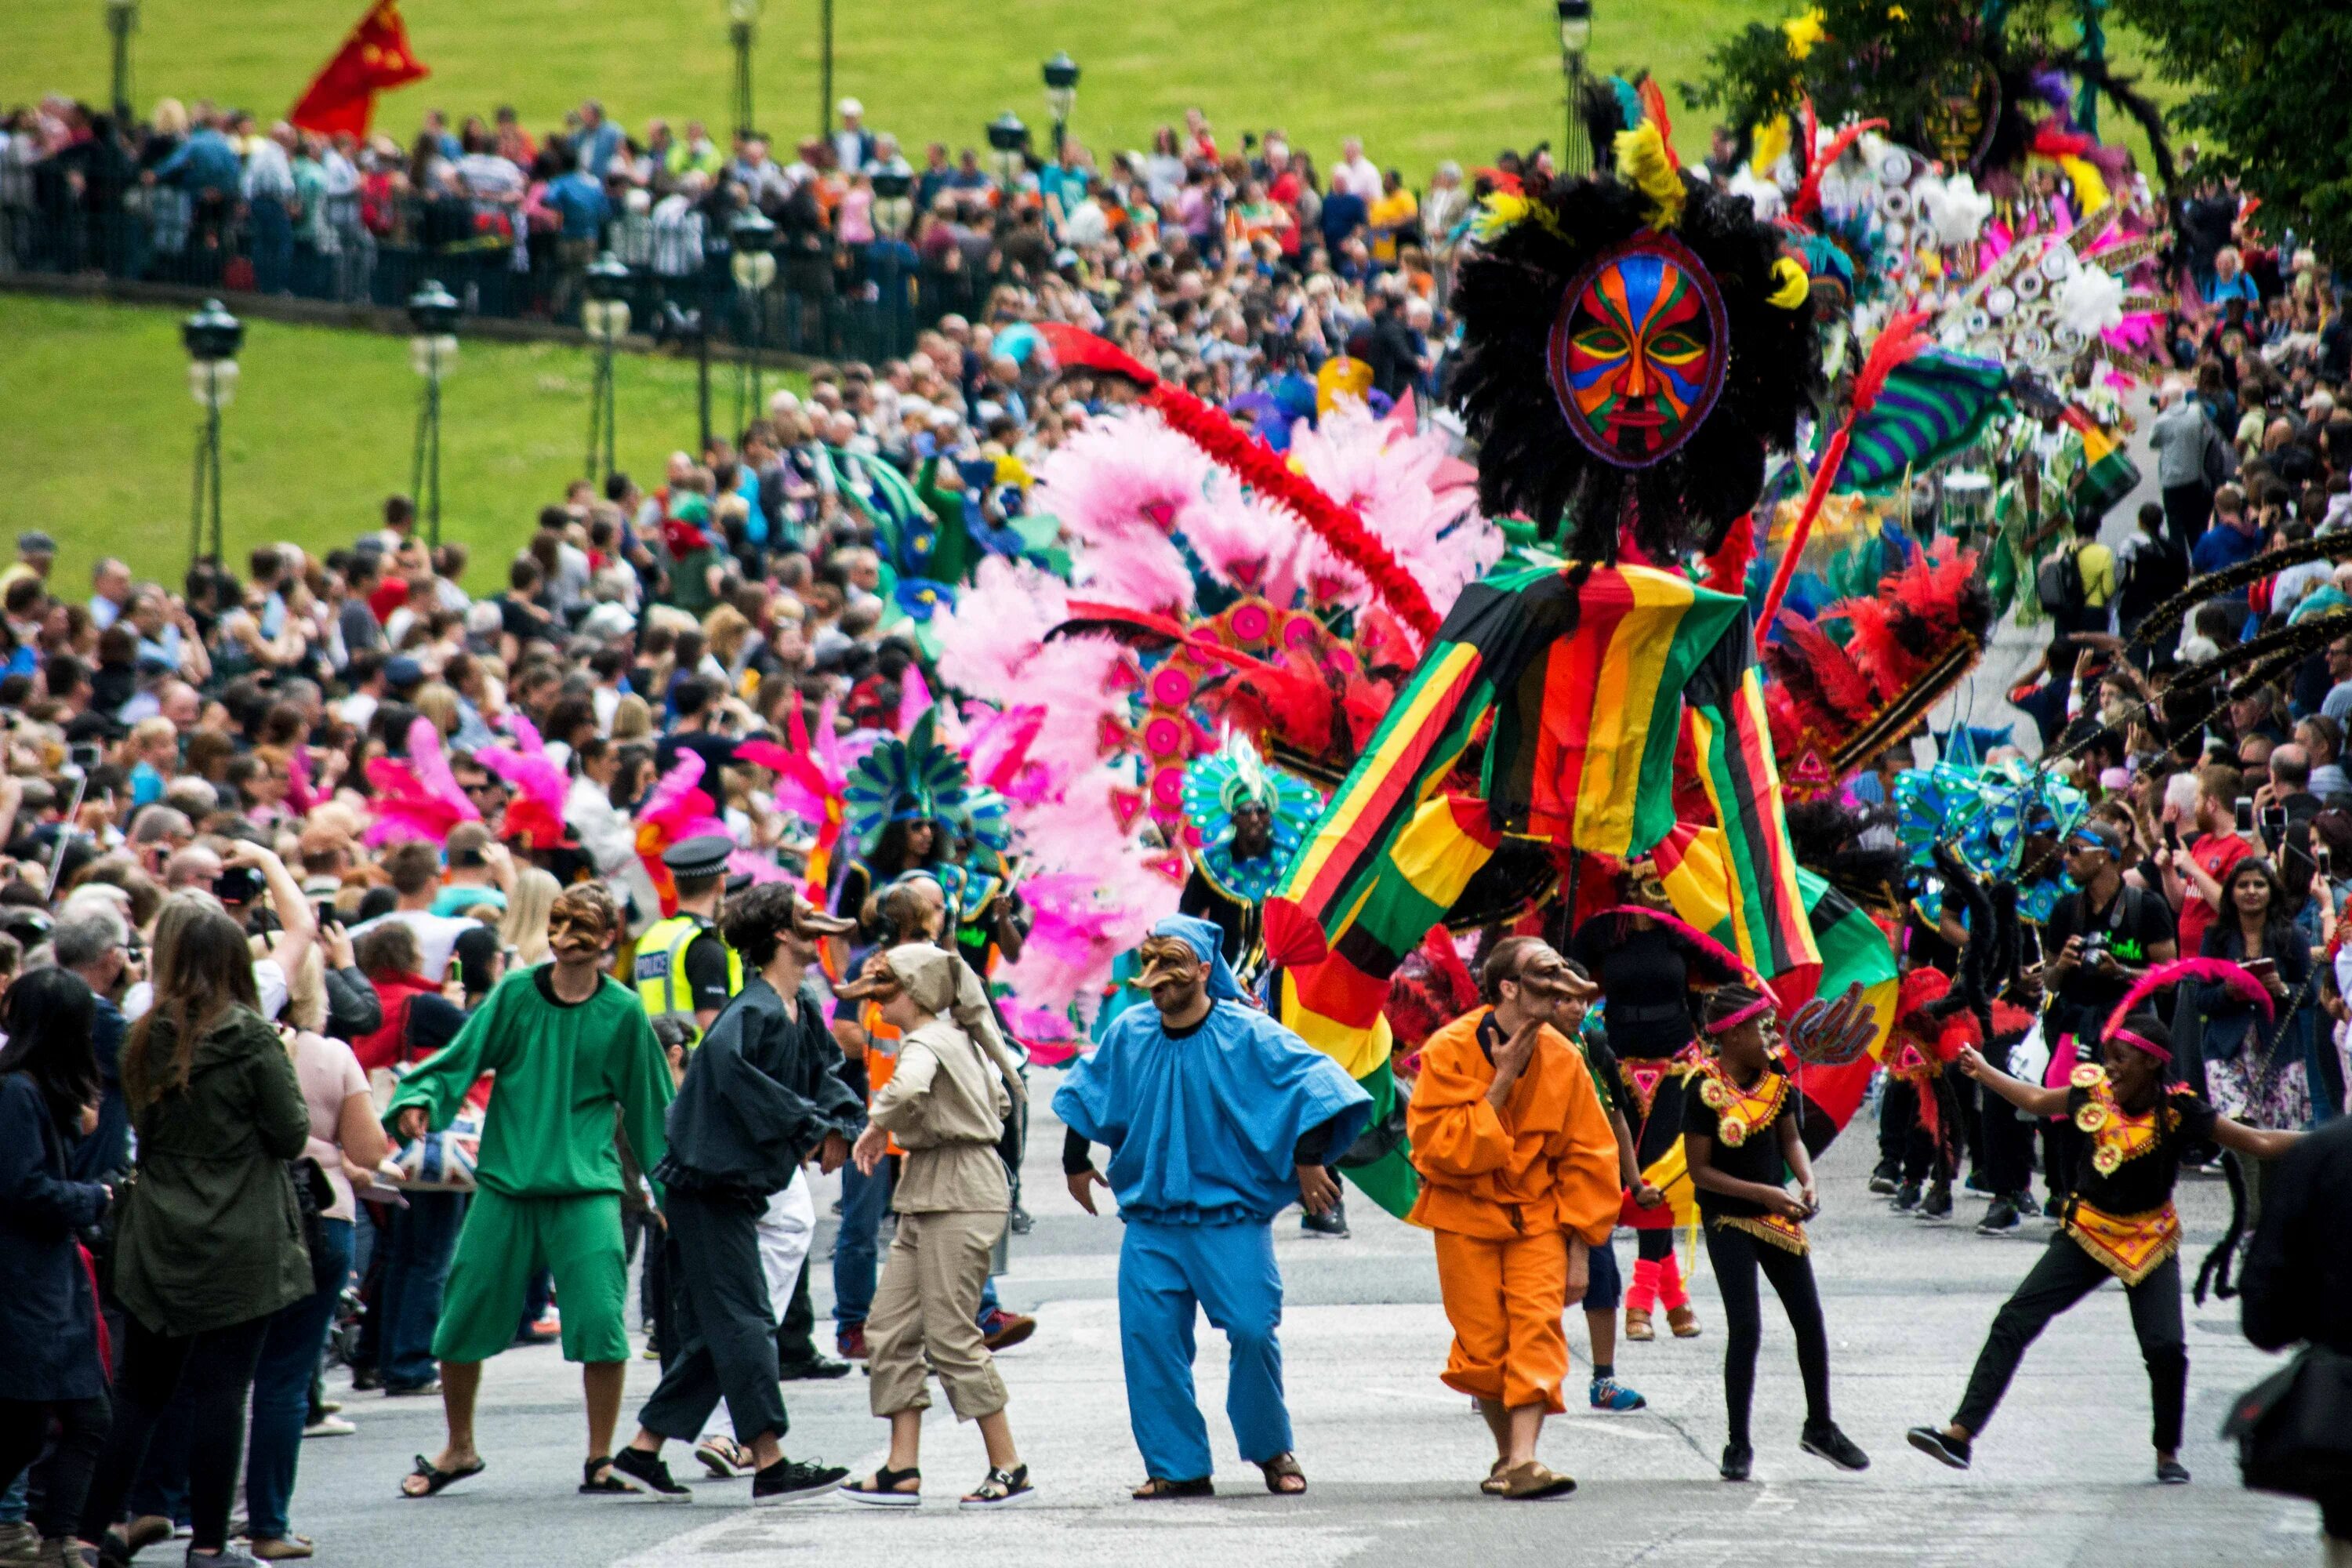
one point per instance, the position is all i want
(1518, 1170)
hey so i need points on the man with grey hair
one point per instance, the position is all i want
(2192, 461)
(195, 867)
(157, 833)
(95, 944)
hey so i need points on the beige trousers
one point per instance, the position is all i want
(923, 1311)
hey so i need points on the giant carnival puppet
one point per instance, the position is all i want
(1587, 733)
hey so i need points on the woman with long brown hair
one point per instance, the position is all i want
(210, 1239)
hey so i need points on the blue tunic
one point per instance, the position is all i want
(1202, 1127)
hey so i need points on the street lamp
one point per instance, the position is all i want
(606, 317)
(121, 21)
(433, 311)
(753, 238)
(1575, 38)
(675, 324)
(1006, 138)
(742, 22)
(213, 337)
(1061, 94)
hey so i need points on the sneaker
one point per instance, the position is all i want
(1829, 1443)
(635, 1470)
(2171, 1473)
(653, 1348)
(789, 1479)
(2000, 1219)
(1003, 1330)
(1907, 1197)
(412, 1390)
(19, 1543)
(2056, 1208)
(1332, 1222)
(850, 1342)
(815, 1367)
(1940, 1446)
(329, 1426)
(147, 1529)
(1937, 1203)
(331, 1406)
(365, 1380)
(229, 1556)
(1739, 1460)
(1883, 1179)
(1976, 1183)
(1614, 1397)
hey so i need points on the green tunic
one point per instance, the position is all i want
(561, 1071)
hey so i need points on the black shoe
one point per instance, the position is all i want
(816, 1367)
(1937, 1203)
(639, 1471)
(1940, 1446)
(1829, 1443)
(1332, 1222)
(2171, 1473)
(365, 1378)
(1883, 1179)
(412, 1390)
(1907, 1197)
(787, 1480)
(2000, 1219)
(2056, 1208)
(1739, 1459)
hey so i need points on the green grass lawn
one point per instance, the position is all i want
(1420, 80)
(99, 429)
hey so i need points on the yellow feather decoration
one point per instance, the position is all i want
(1790, 287)
(1802, 33)
(1644, 159)
(1768, 144)
(1498, 212)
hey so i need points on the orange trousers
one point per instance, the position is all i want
(1505, 1300)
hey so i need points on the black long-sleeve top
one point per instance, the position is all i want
(762, 1089)
(2297, 1283)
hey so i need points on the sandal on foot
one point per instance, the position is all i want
(1282, 1469)
(1637, 1325)
(1158, 1490)
(1683, 1321)
(1493, 1485)
(1002, 1489)
(882, 1488)
(725, 1459)
(436, 1480)
(1535, 1482)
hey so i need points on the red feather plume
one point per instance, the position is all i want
(1727, 567)
(1830, 670)
(1808, 199)
(2208, 971)
(1898, 344)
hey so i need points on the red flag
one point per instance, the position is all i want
(375, 56)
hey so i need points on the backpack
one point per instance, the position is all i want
(2058, 584)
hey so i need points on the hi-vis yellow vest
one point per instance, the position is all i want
(661, 967)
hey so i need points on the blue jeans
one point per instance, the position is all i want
(856, 1250)
(281, 1388)
(416, 1268)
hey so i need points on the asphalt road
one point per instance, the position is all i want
(2063, 1476)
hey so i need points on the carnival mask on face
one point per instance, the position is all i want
(576, 929)
(1636, 353)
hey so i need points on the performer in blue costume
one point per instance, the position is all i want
(1217, 1117)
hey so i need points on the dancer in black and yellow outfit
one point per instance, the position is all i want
(1739, 1129)
(2119, 1218)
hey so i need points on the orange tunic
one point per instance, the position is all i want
(1547, 1162)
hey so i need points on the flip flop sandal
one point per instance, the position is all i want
(1535, 1482)
(1158, 1490)
(1280, 1468)
(437, 1480)
(725, 1459)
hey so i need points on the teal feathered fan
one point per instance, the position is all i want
(919, 778)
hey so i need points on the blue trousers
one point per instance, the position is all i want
(415, 1271)
(281, 1390)
(1167, 1274)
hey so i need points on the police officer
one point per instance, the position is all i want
(683, 966)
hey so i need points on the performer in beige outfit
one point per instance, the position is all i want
(946, 1105)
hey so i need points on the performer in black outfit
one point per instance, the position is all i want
(1646, 962)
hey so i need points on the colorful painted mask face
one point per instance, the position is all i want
(1636, 354)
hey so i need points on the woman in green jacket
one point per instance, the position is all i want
(209, 1243)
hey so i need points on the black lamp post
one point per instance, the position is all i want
(1007, 138)
(742, 25)
(213, 337)
(677, 325)
(753, 238)
(1061, 95)
(121, 21)
(824, 69)
(606, 317)
(433, 311)
(1575, 38)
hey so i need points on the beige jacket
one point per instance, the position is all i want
(946, 1106)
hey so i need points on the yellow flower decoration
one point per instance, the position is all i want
(2105, 1158)
(1802, 33)
(1790, 287)
(1713, 1095)
(2088, 1074)
(2091, 1117)
(1731, 1134)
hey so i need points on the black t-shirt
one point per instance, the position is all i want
(2131, 923)
(434, 1021)
(1644, 977)
(2149, 1144)
(1757, 1157)
(707, 979)
(717, 751)
(523, 619)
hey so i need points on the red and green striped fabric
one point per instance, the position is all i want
(1574, 679)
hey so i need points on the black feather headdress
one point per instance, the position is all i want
(1538, 248)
